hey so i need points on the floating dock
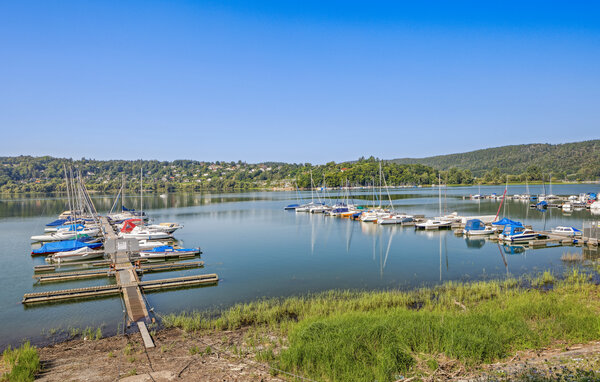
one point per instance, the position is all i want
(126, 266)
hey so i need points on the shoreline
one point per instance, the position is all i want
(279, 189)
(516, 323)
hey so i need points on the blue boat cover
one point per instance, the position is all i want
(510, 230)
(340, 210)
(542, 204)
(74, 227)
(168, 248)
(66, 245)
(506, 221)
(474, 225)
(162, 248)
(123, 208)
(56, 222)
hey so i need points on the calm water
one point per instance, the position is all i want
(259, 250)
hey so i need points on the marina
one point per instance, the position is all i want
(276, 253)
(119, 236)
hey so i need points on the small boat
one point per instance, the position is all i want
(168, 251)
(140, 233)
(516, 233)
(567, 207)
(566, 231)
(67, 245)
(291, 207)
(396, 219)
(83, 253)
(149, 244)
(165, 227)
(476, 227)
(319, 209)
(337, 211)
(66, 234)
(306, 207)
(433, 224)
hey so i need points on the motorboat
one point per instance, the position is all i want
(431, 224)
(567, 207)
(83, 253)
(453, 218)
(517, 233)
(396, 219)
(165, 227)
(566, 231)
(168, 251)
(291, 207)
(149, 244)
(141, 232)
(476, 227)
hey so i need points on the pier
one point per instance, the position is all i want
(124, 264)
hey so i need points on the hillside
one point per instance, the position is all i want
(577, 160)
(46, 174)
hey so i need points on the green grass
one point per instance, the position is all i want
(22, 362)
(366, 336)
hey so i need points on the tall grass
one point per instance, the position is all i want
(366, 336)
(22, 362)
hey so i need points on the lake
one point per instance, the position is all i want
(259, 250)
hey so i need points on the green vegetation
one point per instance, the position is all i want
(22, 363)
(91, 333)
(344, 335)
(568, 161)
(45, 174)
(534, 162)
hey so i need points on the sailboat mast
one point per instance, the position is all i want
(141, 195)
(312, 192)
(68, 192)
(380, 184)
(440, 192)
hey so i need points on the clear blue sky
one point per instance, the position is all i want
(295, 81)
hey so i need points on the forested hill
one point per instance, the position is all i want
(46, 174)
(578, 160)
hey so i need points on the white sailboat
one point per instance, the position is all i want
(436, 223)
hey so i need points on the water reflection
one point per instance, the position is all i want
(259, 250)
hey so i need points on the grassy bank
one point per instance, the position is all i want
(20, 364)
(343, 335)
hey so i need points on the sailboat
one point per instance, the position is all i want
(436, 223)
(292, 207)
(526, 195)
(376, 213)
(141, 232)
(306, 207)
(551, 196)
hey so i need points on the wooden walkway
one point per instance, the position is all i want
(124, 264)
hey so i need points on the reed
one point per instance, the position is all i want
(571, 257)
(349, 335)
(22, 363)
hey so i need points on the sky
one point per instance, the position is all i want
(294, 81)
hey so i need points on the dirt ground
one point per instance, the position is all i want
(226, 356)
(178, 356)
